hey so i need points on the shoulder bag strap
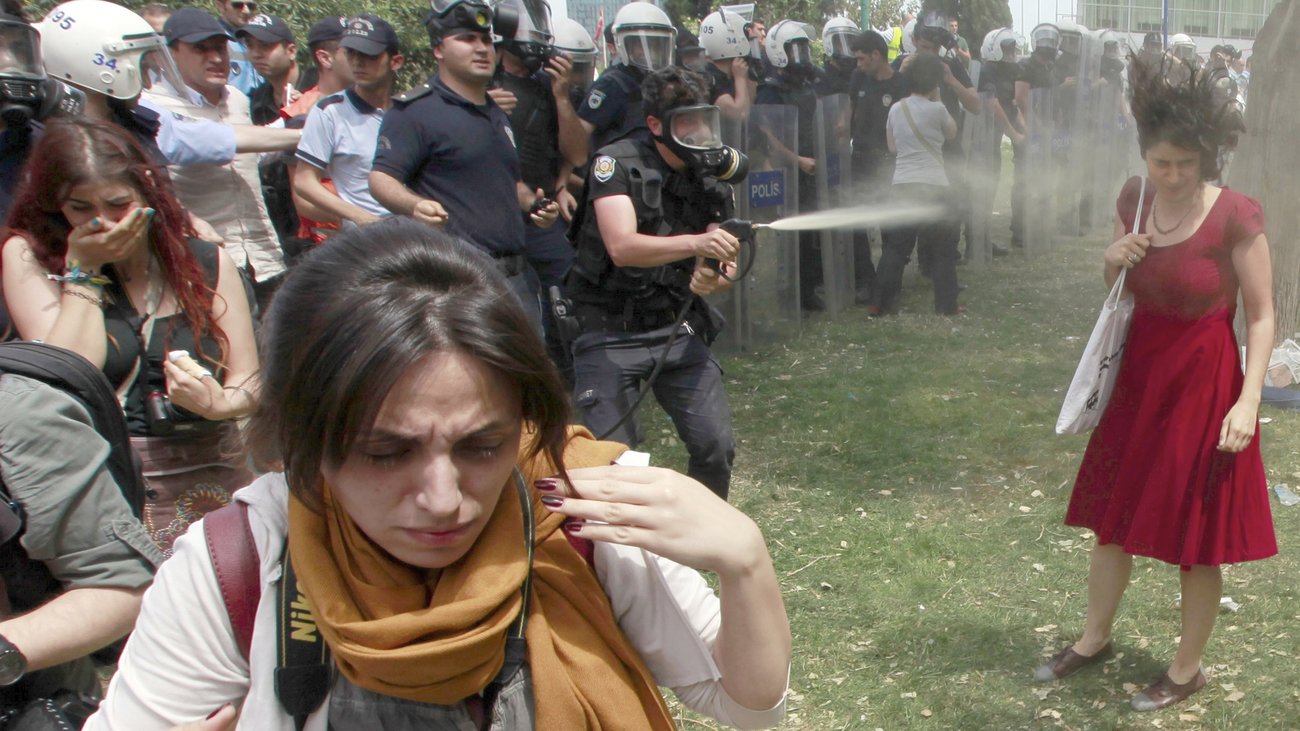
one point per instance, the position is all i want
(907, 112)
(1118, 289)
(234, 557)
(303, 666)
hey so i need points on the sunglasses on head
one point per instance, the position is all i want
(240, 5)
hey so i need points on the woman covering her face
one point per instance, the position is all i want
(99, 258)
(422, 430)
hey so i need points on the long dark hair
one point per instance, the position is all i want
(359, 312)
(76, 150)
(1176, 103)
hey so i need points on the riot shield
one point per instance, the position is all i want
(834, 183)
(1077, 137)
(982, 143)
(1038, 209)
(730, 302)
(763, 306)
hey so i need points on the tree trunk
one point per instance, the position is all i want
(1268, 156)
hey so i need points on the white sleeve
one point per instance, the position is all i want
(671, 616)
(190, 141)
(181, 662)
(317, 144)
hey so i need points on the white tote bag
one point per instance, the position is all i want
(1094, 379)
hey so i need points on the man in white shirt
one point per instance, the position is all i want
(339, 138)
(229, 197)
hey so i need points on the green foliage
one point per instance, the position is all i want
(976, 17)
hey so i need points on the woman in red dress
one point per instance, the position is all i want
(1173, 471)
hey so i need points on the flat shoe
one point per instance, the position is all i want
(1067, 662)
(1165, 692)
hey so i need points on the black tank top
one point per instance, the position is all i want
(122, 323)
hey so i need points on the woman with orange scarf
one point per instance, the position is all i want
(434, 504)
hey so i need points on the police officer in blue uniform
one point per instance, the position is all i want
(645, 229)
(446, 153)
(613, 108)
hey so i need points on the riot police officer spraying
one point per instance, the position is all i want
(647, 224)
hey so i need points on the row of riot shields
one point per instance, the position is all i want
(764, 306)
(982, 142)
(1081, 145)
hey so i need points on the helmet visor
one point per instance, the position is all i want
(837, 44)
(1047, 38)
(583, 73)
(1184, 52)
(1070, 43)
(20, 50)
(798, 52)
(535, 23)
(647, 48)
(158, 72)
(697, 128)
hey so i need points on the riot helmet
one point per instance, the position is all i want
(789, 47)
(932, 29)
(1183, 48)
(128, 56)
(451, 16)
(722, 34)
(574, 41)
(836, 37)
(1001, 45)
(690, 54)
(694, 134)
(1152, 42)
(644, 36)
(533, 38)
(1045, 41)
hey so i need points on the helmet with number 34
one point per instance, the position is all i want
(105, 48)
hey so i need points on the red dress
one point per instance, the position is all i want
(1152, 480)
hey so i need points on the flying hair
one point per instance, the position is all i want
(1175, 103)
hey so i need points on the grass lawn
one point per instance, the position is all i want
(910, 484)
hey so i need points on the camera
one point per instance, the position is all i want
(159, 413)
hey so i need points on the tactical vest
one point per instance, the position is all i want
(643, 298)
(803, 97)
(629, 81)
(536, 130)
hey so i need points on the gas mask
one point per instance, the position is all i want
(447, 16)
(532, 39)
(694, 134)
(26, 93)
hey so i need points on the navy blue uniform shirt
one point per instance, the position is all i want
(462, 155)
(613, 107)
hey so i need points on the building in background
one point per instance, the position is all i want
(1208, 22)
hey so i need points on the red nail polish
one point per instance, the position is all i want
(547, 483)
(574, 527)
(552, 501)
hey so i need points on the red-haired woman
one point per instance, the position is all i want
(99, 258)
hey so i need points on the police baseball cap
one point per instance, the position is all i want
(267, 29)
(327, 29)
(369, 34)
(192, 25)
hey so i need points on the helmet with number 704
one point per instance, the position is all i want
(105, 48)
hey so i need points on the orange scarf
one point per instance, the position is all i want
(439, 637)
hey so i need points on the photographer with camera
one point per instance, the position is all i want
(100, 259)
(648, 223)
(446, 153)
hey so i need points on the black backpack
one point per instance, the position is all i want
(27, 581)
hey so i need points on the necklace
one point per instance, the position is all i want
(1171, 229)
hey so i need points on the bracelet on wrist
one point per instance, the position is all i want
(74, 274)
(96, 301)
